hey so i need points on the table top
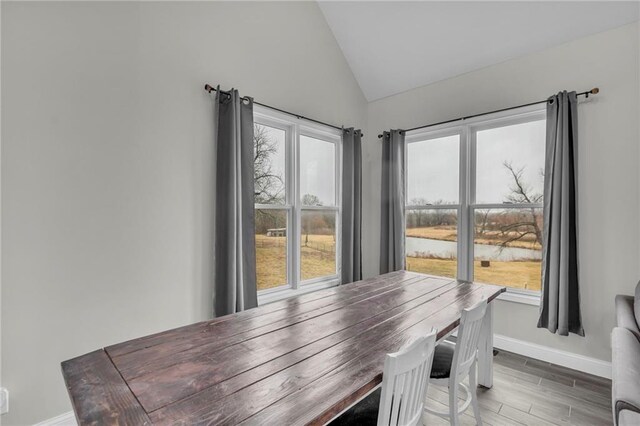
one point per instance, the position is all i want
(297, 361)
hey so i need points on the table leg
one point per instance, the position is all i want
(485, 350)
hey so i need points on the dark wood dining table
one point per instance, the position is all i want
(302, 360)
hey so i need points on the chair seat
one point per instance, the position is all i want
(364, 413)
(442, 360)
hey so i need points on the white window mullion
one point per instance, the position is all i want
(465, 254)
(272, 206)
(295, 237)
(308, 208)
(471, 199)
(503, 206)
(433, 207)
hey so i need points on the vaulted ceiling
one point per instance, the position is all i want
(394, 46)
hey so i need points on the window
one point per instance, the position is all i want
(432, 212)
(474, 199)
(297, 205)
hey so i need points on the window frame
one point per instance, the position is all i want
(466, 207)
(294, 129)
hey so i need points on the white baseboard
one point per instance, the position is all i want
(571, 360)
(66, 419)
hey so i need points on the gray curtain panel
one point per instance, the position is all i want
(351, 205)
(560, 304)
(392, 223)
(235, 251)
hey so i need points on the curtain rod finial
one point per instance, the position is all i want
(208, 88)
(595, 91)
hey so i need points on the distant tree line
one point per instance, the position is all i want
(435, 217)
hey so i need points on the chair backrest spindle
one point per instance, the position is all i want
(404, 383)
(468, 337)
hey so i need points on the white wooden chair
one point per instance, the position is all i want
(404, 386)
(452, 363)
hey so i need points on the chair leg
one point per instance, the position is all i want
(453, 403)
(473, 388)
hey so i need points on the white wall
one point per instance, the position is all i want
(107, 164)
(609, 192)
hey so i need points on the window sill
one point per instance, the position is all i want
(527, 299)
(285, 293)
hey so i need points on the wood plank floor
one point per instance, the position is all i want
(531, 392)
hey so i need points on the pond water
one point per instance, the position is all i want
(446, 249)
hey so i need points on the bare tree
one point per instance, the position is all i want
(311, 200)
(521, 192)
(270, 219)
(307, 225)
(483, 215)
(269, 185)
(419, 215)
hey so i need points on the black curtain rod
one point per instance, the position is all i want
(593, 91)
(210, 89)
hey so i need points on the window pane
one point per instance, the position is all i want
(318, 244)
(271, 248)
(510, 163)
(431, 246)
(432, 171)
(507, 247)
(269, 164)
(317, 172)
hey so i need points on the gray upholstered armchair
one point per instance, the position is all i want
(625, 346)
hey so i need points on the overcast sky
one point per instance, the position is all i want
(432, 166)
(318, 169)
(317, 165)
